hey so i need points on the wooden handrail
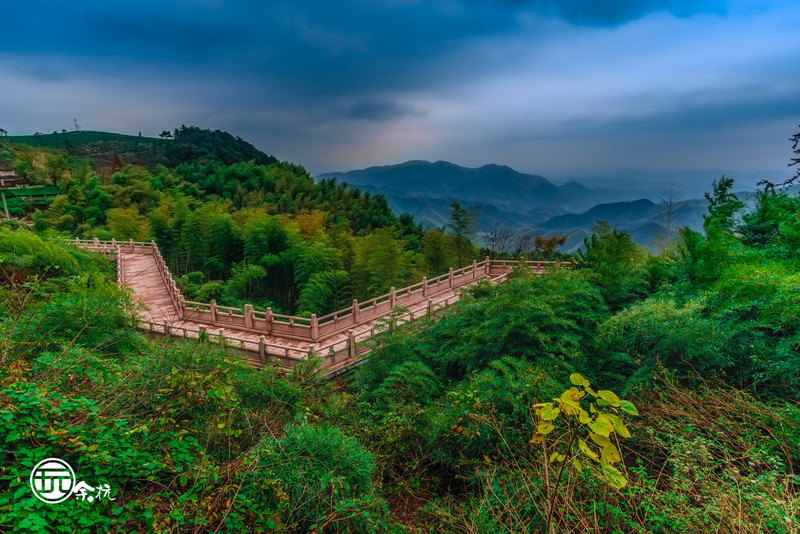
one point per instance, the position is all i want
(301, 327)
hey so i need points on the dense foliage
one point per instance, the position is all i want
(236, 226)
(631, 393)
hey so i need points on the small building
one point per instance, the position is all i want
(8, 178)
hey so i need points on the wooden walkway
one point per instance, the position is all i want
(264, 337)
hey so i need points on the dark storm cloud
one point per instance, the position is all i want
(299, 54)
(332, 83)
(315, 46)
(615, 12)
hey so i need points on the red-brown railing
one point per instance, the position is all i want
(427, 296)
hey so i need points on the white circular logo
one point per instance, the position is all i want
(52, 480)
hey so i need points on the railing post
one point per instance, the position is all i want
(268, 319)
(474, 269)
(424, 286)
(120, 268)
(262, 349)
(487, 264)
(392, 298)
(355, 311)
(166, 327)
(248, 316)
(181, 306)
(450, 277)
(351, 344)
(96, 242)
(113, 242)
(312, 349)
(430, 307)
(213, 309)
(314, 327)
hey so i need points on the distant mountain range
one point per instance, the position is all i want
(489, 184)
(652, 185)
(529, 203)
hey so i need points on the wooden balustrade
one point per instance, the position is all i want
(421, 297)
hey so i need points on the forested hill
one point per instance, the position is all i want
(107, 152)
(234, 224)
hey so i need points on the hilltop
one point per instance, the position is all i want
(108, 152)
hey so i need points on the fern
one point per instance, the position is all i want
(411, 381)
(319, 293)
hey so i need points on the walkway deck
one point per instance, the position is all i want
(264, 337)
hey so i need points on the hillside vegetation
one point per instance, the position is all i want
(634, 393)
(239, 226)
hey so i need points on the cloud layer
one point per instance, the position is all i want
(542, 85)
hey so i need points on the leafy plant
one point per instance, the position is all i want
(584, 434)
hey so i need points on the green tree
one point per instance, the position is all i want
(438, 252)
(723, 205)
(795, 139)
(127, 224)
(544, 248)
(462, 226)
(380, 264)
(617, 263)
(56, 164)
(244, 281)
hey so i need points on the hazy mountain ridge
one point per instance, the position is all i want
(489, 184)
(629, 200)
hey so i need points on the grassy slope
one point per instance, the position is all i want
(76, 139)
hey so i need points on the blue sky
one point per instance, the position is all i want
(546, 86)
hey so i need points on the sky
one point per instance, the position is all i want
(545, 86)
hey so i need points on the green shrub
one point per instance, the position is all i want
(21, 250)
(488, 416)
(410, 382)
(548, 319)
(658, 331)
(328, 479)
(38, 422)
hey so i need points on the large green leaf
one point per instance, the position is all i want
(577, 464)
(602, 425)
(610, 454)
(544, 427)
(550, 413)
(585, 449)
(602, 441)
(578, 380)
(628, 407)
(609, 397)
(614, 476)
(619, 426)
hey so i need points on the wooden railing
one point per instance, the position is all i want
(113, 248)
(335, 356)
(314, 329)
